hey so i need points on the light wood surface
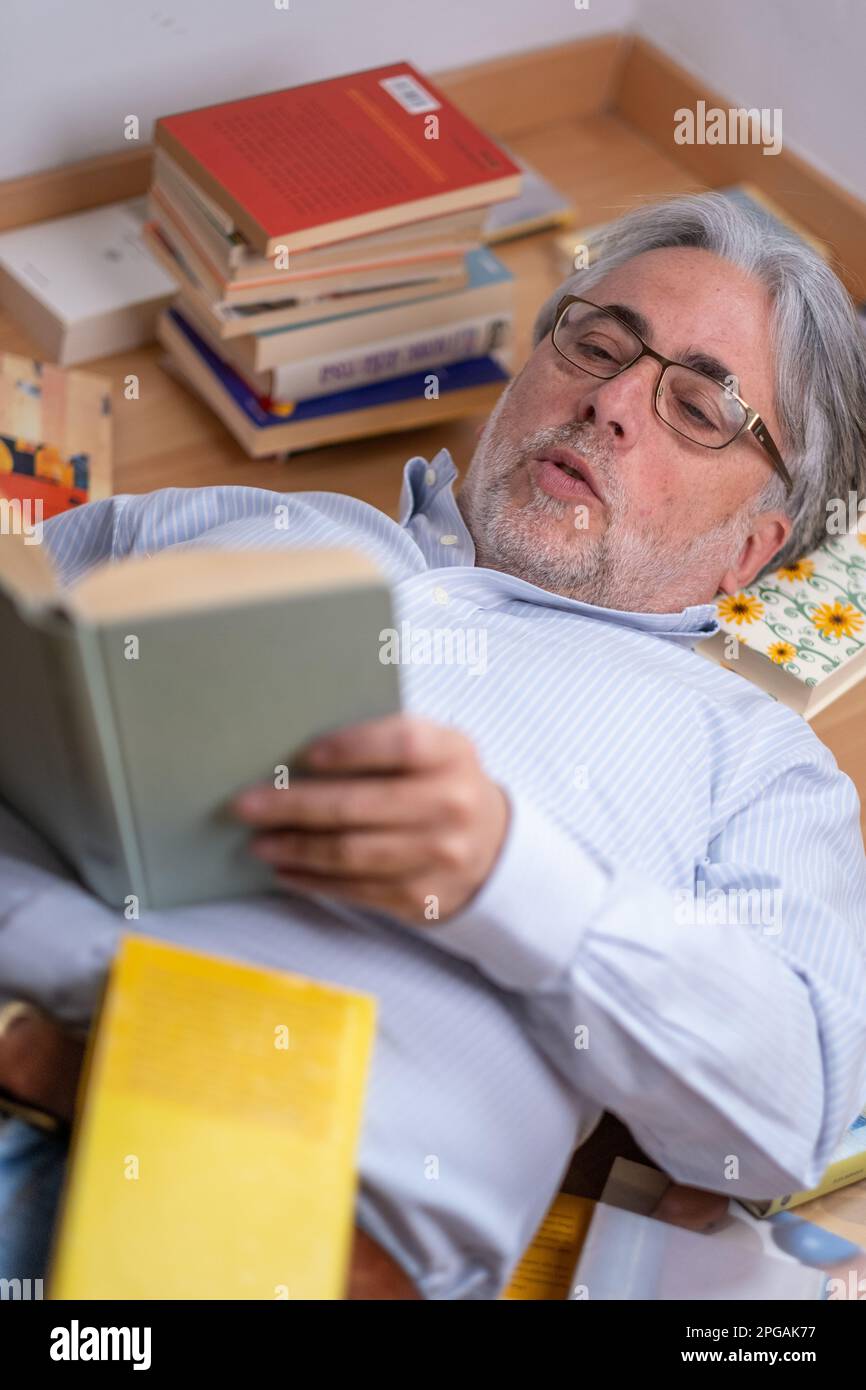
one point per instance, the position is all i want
(651, 87)
(604, 162)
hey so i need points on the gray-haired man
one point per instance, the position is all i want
(693, 401)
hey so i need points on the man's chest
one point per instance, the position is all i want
(594, 729)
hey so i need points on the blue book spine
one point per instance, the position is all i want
(457, 376)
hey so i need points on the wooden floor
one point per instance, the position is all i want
(167, 439)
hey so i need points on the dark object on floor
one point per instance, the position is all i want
(592, 1162)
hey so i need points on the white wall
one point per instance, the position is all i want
(72, 69)
(804, 56)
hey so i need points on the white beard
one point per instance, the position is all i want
(620, 568)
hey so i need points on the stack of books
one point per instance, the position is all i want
(328, 244)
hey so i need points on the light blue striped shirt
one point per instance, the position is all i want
(675, 929)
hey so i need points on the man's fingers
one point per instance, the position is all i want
(384, 895)
(397, 743)
(351, 854)
(344, 803)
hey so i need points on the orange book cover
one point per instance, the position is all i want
(331, 160)
(55, 436)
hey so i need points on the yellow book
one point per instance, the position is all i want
(548, 1264)
(214, 1152)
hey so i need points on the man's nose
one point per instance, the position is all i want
(621, 405)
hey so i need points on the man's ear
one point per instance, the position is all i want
(769, 532)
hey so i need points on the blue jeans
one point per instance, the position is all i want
(32, 1165)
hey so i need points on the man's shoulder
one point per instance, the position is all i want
(194, 510)
(748, 709)
(148, 522)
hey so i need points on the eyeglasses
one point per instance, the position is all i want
(696, 405)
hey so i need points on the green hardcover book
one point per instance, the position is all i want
(136, 703)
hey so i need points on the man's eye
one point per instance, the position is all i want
(695, 414)
(595, 351)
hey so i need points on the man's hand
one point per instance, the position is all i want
(403, 819)
(40, 1063)
(692, 1208)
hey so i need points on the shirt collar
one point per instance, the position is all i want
(423, 482)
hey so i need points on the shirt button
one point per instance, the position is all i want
(430, 477)
(440, 595)
(448, 540)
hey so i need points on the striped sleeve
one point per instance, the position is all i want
(725, 1024)
(78, 540)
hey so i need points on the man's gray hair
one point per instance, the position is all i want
(818, 344)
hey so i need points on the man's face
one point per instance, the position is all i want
(665, 522)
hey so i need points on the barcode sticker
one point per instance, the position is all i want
(410, 94)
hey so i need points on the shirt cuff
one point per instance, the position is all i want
(49, 958)
(523, 927)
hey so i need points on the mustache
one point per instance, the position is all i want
(583, 439)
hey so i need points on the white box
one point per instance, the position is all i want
(84, 286)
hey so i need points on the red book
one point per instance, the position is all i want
(338, 159)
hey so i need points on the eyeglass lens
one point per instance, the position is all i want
(703, 410)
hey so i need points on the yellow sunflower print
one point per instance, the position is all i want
(800, 569)
(781, 652)
(837, 619)
(740, 608)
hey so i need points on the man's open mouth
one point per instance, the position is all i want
(564, 474)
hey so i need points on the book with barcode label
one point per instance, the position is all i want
(341, 158)
(410, 94)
